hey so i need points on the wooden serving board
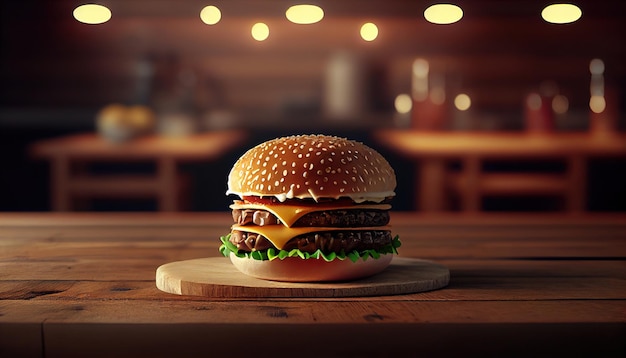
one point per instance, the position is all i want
(216, 277)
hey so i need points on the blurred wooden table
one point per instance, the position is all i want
(432, 151)
(80, 284)
(67, 154)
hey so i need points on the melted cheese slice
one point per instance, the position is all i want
(289, 214)
(279, 234)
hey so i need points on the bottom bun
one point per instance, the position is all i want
(295, 269)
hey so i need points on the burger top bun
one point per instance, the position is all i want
(313, 167)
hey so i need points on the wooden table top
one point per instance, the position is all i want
(82, 284)
(501, 144)
(206, 145)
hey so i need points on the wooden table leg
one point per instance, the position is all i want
(471, 198)
(576, 200)
(59, 177)
(168, 188)
(431, 186)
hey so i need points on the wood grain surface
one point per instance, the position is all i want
(216, 277)
(84, 285)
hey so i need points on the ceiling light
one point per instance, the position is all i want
(260, 31)
(443, 14)
(210, 15)
(561, 13)
(304, 14)
(369, 31)
(92, 14)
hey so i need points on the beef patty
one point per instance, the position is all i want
(326, 241)
(328, 218)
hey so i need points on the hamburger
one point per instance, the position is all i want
(311, 208)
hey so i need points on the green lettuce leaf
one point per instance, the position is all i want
(227, 247)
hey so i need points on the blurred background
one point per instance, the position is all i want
(365, 67)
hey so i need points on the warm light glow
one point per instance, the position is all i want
(210, 15)
(420, 67)
(369, 31)
(419, 81)
(443, 14)
(260, 31)
(403, 103)
(304, 14)
(597, 104)
(561, 13)
(438, 95)
(560, 104)
(462, 102)
(533, 101)
(92, 14)
(596, 66)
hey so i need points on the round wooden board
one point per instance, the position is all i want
(216, 277)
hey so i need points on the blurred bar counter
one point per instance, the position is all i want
(432, 153)
(70, 157)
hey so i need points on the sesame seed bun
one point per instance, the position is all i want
(313, 167)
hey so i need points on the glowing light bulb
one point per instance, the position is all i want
(561, 13)
(443, 14)
(403, 103)
(92, 14)
(596, 66)
(560, 104)
(369, 31)
(260, 31)
(304, 14)
(597, 104)
(462, 102)
(210, 15)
